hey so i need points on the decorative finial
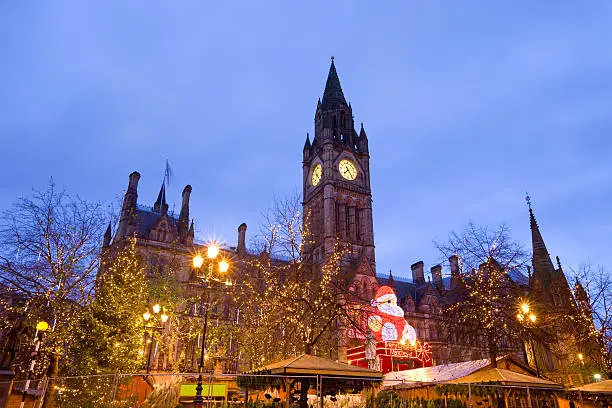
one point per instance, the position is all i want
(528, 200)
(332, 58)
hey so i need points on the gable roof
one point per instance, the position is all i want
(308, 364)
(418, 377)
(505, 377)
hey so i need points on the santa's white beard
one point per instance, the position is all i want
(391, 309)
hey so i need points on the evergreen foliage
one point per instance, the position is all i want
(108, 338)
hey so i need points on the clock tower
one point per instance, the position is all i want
(336, 179)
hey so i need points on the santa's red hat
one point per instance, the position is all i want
(385, 293)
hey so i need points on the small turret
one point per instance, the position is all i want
(391, 281)
(161, 200)
(107, 237)
(190, 233)
(307, 146)
(363, 140)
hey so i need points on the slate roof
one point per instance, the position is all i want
(404, 287)
(146, 219)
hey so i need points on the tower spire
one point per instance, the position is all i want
(160, 203)
(107, 236)
(333, 96)
(391, 281)
(542, 265)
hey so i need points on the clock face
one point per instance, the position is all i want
(315, 176)
(347, 169)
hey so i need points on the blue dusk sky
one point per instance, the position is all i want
(467, 106)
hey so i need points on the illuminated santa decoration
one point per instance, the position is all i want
(397, 347)
(388, 324)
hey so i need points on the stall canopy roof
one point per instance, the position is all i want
(435, 374)
(458, 371)
(505, 377)
(603, 387)
(307, 364)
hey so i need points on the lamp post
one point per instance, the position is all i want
(207, 279)
(147, 316)
(528, 318)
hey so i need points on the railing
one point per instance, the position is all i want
(270, 391)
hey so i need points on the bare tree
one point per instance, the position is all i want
(49, 254)
(593, 294)
(292, 306)
(487, 289)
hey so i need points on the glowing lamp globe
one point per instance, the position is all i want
(212, 251)
(198, 261)
(532, 317)
(164, 318)
(146, 315)
(525, 308)
(223, 266)
(42, 326)
(156, 308)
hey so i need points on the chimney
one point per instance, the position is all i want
(418, 275)
(185, 204)
(454, 265)
(241, 247)
(133, 183)
(128, 209)
(184, 215)
(436, 274)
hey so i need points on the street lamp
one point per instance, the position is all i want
(208, 278)
(147, 316)
(41, 328)
(527, 318)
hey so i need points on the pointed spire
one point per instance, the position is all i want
(107, 236)
(391, 281)
(191, 233)
(307, 143)
(542, 265)
(161, 199)
(333, 96)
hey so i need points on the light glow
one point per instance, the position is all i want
(156, 308)
(198, 261)
(42, 326)
(532, 317)
(223, 266)
(146, 315)
(164, 318)
(212, 251)
(525, 308)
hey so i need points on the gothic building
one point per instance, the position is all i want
(336, 179)
(337, 204)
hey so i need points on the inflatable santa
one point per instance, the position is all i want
(388, 323)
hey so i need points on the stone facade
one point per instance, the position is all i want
(338, 205)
